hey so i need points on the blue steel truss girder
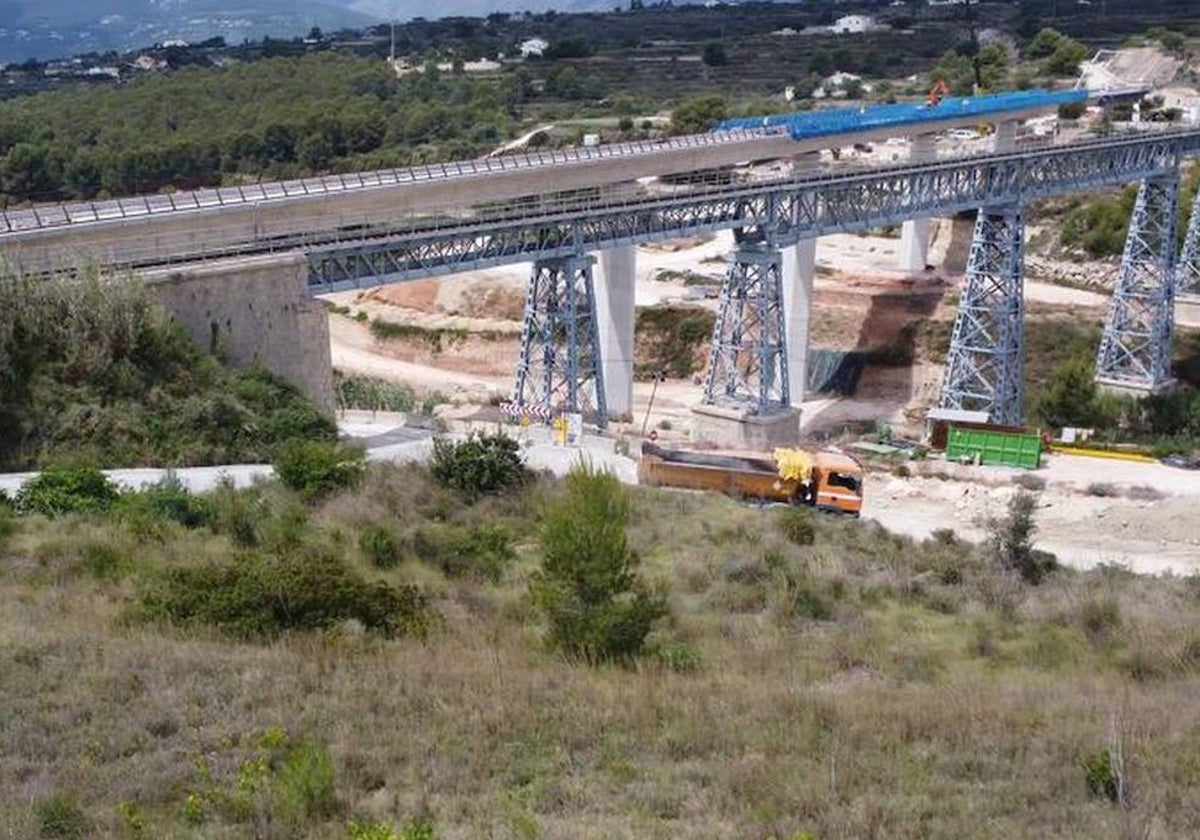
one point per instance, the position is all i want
(1135, 350)
(985, 365)
(803, 207)
(559, 367)
(748, 368)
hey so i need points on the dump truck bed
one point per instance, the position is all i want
(731, 475)
(835, 485)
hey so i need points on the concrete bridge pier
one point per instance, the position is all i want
(254, 310)
(616, 317)
(798, 268)
(914, 235)
(1005, 138)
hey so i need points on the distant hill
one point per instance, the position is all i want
(57, 28)
(408, 9)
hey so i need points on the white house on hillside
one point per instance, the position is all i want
(853, 25)
(533, 47)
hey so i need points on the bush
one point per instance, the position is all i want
(679, 657)
(61, 490)
(169, 500)
(365, 392)
(479, 465)
(1100, 619)
(259, 597)
(315, 468)
(381, 546)
(416, 829)
(304, 783)
(479, 552)
(1102, 779)
(59, 816)
(8, 525)
(587, 588)
(1011, 540)
(1031, 482)
(796, 525)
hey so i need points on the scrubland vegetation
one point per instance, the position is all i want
(392, 657)
(92, 371)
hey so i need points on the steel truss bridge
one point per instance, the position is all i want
(560, 358)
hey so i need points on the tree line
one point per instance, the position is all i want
(272, 119)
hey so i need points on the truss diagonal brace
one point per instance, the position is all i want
(1135, 352)
(985, 367)
(559, 368)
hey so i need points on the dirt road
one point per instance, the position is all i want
(1148, 523)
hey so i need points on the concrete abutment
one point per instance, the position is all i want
(256, 310)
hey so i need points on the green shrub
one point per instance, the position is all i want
(61, 490)
(239, 514)
(679, 657)
(169, 500)
(258, 597)
(1102, 779)
(370, 831)
(59, 816)
(796, 526)
(8, 525)
(365, 392)
(314, 468)
(304, 783)
(104, 561)
(479, 552)
(800, 597)
(1011, 540)
(381, 546)
(587, 589)
(480, 465)
(1100, 618)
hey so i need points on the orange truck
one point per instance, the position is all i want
(829, 481)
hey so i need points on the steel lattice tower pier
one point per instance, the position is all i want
(559, 365)
(1135, 351)
(985, 367)
(748, 365)
(1187, 270)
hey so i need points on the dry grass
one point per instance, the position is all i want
(916, 710)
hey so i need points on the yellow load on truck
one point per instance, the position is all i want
(830, 481)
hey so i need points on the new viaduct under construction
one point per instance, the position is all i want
(246, 260)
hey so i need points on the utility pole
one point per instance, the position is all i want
(392, 53)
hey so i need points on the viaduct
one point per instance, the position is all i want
(244, 262)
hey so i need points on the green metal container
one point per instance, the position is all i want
(1005, 449)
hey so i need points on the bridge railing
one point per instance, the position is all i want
(40, 217)
(321, 231)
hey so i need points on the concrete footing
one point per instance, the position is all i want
(737, 429)
(1132, 389)
(1187, 310)
(254, 310)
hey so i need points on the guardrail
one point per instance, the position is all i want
(92, 212)
(321, 231)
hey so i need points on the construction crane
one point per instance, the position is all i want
(936, 93)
